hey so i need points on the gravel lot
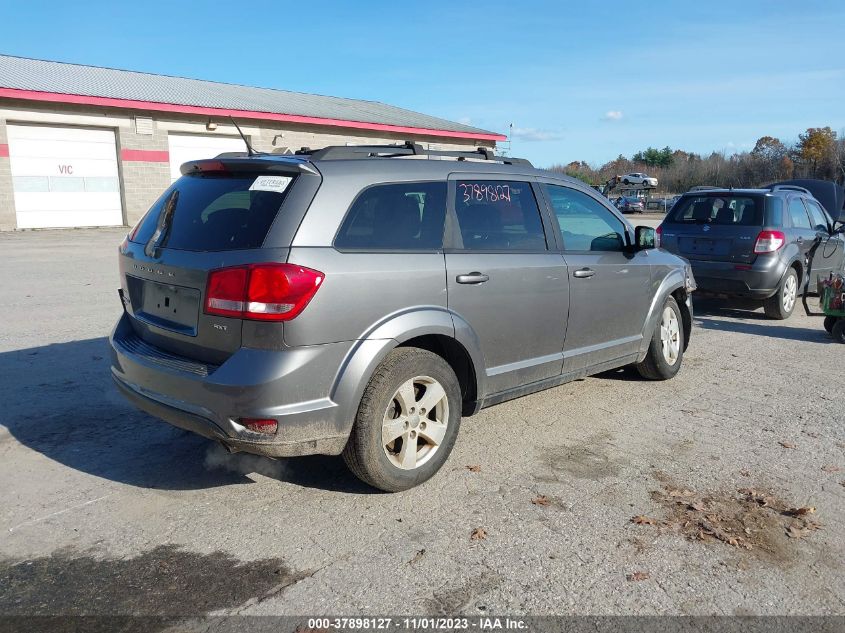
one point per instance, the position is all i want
(106, 510)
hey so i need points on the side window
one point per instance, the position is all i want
(585, 224)
(498, 215)
(820, 221)
(798, 214)
(404, 216)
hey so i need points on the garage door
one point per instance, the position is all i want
(186, 147)
(64, 176)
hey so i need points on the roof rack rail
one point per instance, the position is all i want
(777, 187)
(408, 148)
(704, 188)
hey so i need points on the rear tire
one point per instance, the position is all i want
(412, 401)
(838, 331)
(666, 350)
(782, 303)
(829, 322)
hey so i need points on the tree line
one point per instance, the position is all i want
(818, 153)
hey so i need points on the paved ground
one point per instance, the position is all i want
(104, 509)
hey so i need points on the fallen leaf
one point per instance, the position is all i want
(417, 557)
(787, 444)
(745, 472)
(799, 512)
(756, 496)
(478, 534)
(643, 520)
(698, 506)
(541, 500)
(830, 468)
(796, 531)
(638, 575)
(475, 468)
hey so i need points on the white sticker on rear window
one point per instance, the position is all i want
(271, 183)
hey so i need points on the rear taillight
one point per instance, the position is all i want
(658, 235)
(265, 292)
(769, 241)
(267, 426)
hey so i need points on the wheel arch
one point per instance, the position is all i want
(672, 283)
(433, 328)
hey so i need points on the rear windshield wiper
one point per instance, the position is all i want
(165, 222)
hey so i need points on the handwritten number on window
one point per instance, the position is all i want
(485, 192)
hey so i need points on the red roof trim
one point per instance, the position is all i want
(34, 95)
(145, 155)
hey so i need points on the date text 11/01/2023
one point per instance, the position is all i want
(417, 623)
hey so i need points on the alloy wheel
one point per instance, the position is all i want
(415, 422)
(670, 335)
(790, 292)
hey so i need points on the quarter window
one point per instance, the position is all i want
(396, 217)
(798, 214)
(585, 224)
(498, 215)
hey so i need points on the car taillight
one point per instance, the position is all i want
(769, 241)
(658, 235)
(260, 425)
(264, 292)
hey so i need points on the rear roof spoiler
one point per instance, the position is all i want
(242, 162)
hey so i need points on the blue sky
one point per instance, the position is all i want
(578, 82)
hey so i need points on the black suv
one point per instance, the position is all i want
(754, 243)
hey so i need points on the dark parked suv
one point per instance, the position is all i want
(360, 300)
(754, 243)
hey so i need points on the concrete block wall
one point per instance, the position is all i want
(145, 176)
(8, 220)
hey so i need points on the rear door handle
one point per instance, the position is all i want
(472, 278)
(800, 240)
(584, 272)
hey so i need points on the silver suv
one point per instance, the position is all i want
(360, 300)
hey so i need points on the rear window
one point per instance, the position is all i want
(396, 217)
(216, 212)
(717, 209)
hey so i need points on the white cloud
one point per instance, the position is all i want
(613, 115)
(465, 120)
(536, 134)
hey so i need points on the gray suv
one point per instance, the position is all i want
(755, 243)
(361, 300)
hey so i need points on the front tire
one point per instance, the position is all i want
(829, 322)
(838, 331)
(782, 303)
(666, 350)
(407, 421)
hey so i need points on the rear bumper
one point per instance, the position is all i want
(291, 386)
(759, 281)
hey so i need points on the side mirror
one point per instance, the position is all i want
(645, 238)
